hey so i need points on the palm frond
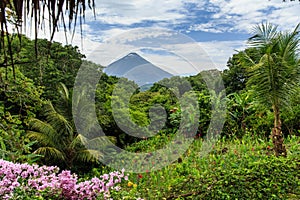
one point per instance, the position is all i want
(64, 92)
(289, 45)
(277, 72)
(89, 155)
(245, 59)
(42, 127)
(37, 10)
(50, 153)
(264, 34)
(56, 120)
(65, 106)
(101, 142)
(41, 138)
(79, 140)
(56, 131)
(85, 122)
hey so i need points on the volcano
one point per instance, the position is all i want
(136, 68)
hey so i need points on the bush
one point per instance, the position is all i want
(23, 181)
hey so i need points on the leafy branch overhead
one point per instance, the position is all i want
(39, 10)
(55, 11)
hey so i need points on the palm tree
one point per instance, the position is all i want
(58, 140)
(275, 76)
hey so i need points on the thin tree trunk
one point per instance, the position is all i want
(70, 156)
(277, 136)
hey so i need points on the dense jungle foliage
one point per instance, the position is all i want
(36, 122)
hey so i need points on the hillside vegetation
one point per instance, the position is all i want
(256, 155)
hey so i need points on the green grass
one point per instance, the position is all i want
(235, 169)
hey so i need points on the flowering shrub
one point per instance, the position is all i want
(46, 181)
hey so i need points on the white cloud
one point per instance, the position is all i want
(229, 16)
(220, 51)
(287, 18)
(243, 15)
(136, 11)
(207, 27)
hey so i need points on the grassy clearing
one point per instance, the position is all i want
(235, 169)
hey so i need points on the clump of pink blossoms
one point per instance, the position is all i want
(34, 178)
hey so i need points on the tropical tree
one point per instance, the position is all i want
(59, 63)
(236, 76)
(275, 77)
(19, 101)
(59, 142)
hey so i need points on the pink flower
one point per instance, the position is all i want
(32, 178)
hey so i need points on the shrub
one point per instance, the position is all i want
(24, 181)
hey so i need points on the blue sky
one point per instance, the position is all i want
(219, 27)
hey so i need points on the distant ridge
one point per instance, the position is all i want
(136, 68)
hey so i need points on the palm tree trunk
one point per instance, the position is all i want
(70, 155)
(277, 136)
